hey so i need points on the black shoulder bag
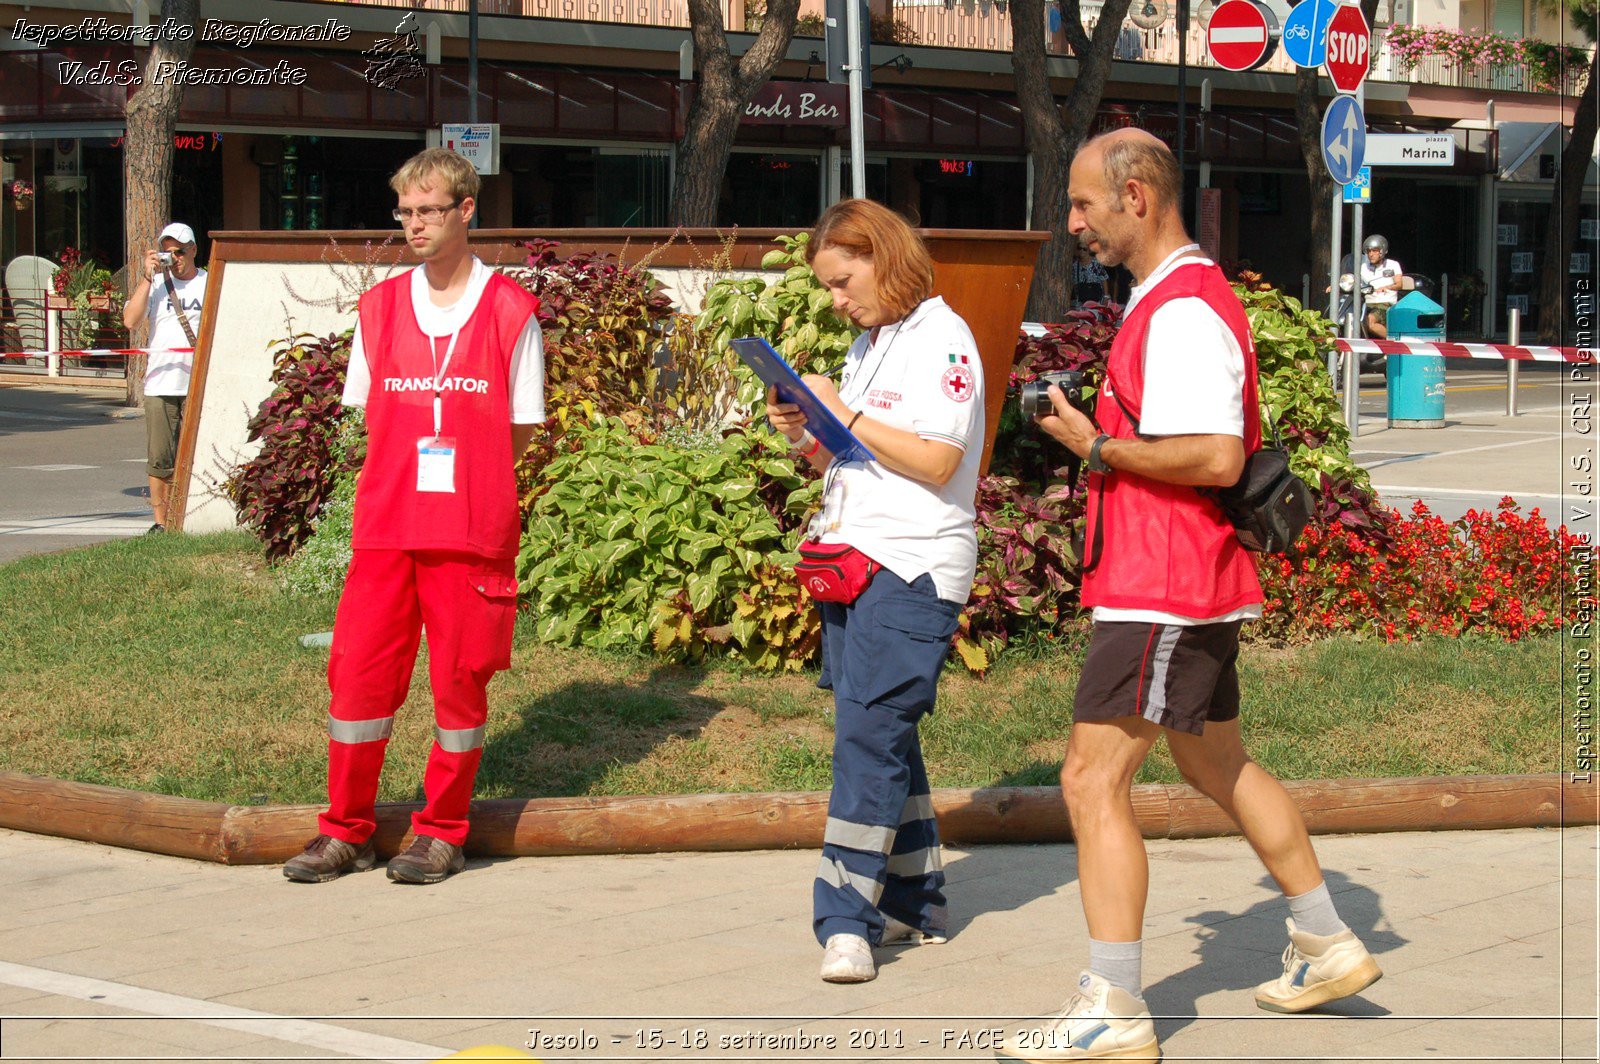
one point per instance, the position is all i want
(1268, 506)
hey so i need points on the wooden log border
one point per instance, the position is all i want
(549, 827)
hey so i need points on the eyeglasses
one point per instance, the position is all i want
(430, 215)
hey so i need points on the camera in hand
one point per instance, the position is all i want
(1033, 399)
(165, 259)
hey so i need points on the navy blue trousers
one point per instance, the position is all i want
(881, 656)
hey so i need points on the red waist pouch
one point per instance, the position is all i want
(834, 572)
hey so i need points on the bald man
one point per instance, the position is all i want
(1170, 587)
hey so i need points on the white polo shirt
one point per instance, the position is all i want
(527, 358)
(1382, 279)
(922, 375)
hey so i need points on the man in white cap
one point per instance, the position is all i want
(172, 304)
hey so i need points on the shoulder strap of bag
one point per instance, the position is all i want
(177, 308)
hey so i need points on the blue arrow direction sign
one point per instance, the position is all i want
(1360, 190)
(1305, 32)
(1344, 137)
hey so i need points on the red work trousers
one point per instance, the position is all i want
(468, 604)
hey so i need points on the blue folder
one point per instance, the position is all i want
(775, 372)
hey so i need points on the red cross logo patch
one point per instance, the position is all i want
(957, 381)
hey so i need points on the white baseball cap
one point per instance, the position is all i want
(177, 231)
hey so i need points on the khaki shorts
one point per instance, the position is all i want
(163, 420)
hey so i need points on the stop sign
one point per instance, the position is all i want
(1242, 34)
(1349, 48)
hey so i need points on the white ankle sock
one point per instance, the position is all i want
(1313, 912)
(1118, 963)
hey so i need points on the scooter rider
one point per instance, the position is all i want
(1381, 279)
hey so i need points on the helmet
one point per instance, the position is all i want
(1376, 241)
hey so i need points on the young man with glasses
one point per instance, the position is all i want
(448, 361)
(172, 306)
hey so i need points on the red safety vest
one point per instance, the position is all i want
(1167, 547)
(480, 516)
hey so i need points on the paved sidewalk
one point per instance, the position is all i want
(1485, 938)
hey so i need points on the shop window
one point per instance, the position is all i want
(768, 190)
(328, 182)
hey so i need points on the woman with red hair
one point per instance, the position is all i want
(912, 392)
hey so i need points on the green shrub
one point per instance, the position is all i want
(319, 566)
(678, 544)
(794, 313)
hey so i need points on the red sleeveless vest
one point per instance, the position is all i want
(480, 516)
(1167, 547)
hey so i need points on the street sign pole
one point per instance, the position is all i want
(858, 138)
(1335, 235)
(1183, 92)
(1357, 235)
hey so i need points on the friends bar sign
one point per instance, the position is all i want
(798, 103)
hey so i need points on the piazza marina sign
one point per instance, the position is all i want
(1411, 149)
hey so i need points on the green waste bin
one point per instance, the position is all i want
(1416, 382)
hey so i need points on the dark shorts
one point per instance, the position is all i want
(1177, 676)
(163, 420)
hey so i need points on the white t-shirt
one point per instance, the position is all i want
(1382, 279)
(1193, 386)
(527, 358)
(166, 371)
(923, 375)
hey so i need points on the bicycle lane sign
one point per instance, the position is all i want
(1305, 32)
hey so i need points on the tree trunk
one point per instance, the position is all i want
(147, 151)
(1565, 200)
(1053, 140)
(722, 88)
(1308, 117)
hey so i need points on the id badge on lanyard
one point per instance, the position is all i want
(436, 454)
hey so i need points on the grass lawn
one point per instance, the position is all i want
(172, 664)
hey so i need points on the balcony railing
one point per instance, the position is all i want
(986, 25)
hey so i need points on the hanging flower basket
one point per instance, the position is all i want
(21, 194)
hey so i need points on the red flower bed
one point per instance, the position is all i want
(1501, 573)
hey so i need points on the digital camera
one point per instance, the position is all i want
(1033, 399)
(165, 259)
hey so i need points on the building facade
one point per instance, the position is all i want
(590, 98)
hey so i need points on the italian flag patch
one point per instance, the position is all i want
(958, 360)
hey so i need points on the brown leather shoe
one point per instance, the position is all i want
(426, 860)
(327, 858)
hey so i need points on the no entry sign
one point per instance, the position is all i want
(1242, 34)
(1349, 48)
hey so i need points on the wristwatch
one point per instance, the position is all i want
(1096, 463)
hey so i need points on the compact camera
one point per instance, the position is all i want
(1033, 399)
(165, 259)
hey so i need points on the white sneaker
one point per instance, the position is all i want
(1318, 969)
(848, 959)
(1100, 1022)
(896, 933)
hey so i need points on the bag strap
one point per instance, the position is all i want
(177, 307)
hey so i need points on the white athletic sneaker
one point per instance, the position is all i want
(1100, 1022)
(896, 933)
(848, 959)
(1318, 969)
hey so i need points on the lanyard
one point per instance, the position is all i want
(438, 377)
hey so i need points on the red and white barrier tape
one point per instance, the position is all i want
(1498, 352)
(97, 352)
